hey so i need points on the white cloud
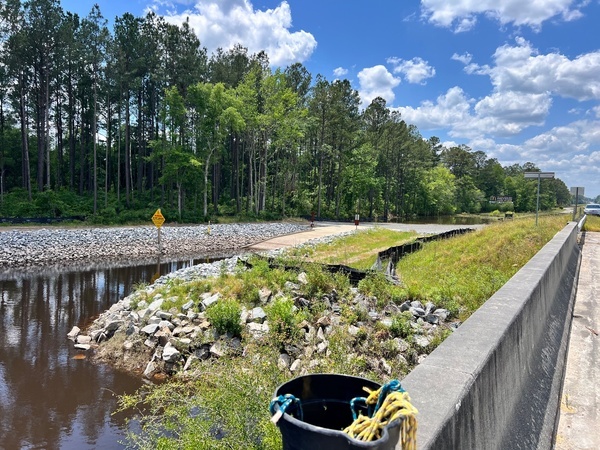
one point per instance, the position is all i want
(340, 72)
(448, 111)
(465, 58)
(465, 24)
(415, 70)
(375, 82)
(514, 111)
(229, 22)
(449, 144)
(572, 151)
(521, 68)
(461, 14)
(499, 114)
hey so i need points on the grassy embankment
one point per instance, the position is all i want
(592, 223)
(224, 404)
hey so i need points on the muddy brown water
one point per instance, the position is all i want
(51, 395)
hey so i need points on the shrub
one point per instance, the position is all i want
(401, 325)
(319, 282)
(376, 284)
(224, 315)
(261, 275)
(283, 321)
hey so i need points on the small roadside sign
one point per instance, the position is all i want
(578, 190)
(158, 219)
(538, 174)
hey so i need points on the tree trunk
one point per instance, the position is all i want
(119, 148)
(71, 133)
(179, 207)
(216, 185)
(25, 169)
(127, 151)
(235, 169)
(206, 168)
(40, 122)
(59, 141)
(46, 128)
(140, 133)
(338, 183)
(262, 198)
(250, 193)
(320, 181)
(81, 157)
(95, 138)
(108, 149)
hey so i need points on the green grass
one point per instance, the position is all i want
(359, 250)
(461, 273)
(224, 406)
(592, 223)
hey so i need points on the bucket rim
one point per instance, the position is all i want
(292, 421)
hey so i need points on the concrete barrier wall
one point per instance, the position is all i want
(495, 382)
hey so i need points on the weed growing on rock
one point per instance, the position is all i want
(284, 318)
(224, 315)
(375, 284)
(401, 325)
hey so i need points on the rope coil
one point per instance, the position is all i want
(284, 402)
(385, 405)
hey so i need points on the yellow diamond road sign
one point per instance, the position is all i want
(158, 219)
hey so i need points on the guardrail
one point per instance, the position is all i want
(495, 382)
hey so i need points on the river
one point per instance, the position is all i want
(50, 398)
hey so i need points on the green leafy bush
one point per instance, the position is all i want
(283, 320)
(401, 325)
(319, 281)
(224, 315)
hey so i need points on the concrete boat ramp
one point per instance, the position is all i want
(322, 229)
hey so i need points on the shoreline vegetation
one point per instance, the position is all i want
(235, 335)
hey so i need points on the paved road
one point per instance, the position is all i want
(323, 229)
(290, 240)
(579, 424)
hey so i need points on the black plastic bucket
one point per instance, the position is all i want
(325, 401)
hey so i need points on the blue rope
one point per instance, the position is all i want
(358, 401)
(391, 386)
(284, 402)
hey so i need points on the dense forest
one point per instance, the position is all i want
(114, 123)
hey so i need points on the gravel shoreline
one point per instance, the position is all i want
(52, 246)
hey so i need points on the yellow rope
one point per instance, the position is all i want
(396, 405)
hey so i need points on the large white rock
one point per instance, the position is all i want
(150, 329)
(73, 333)
(170, 353)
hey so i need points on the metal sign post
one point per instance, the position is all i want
(539, 176)
(356, 220)
(158, 219)
(576, 191)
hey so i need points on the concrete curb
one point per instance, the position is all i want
(495, 383)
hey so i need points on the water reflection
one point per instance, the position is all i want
(49, 399)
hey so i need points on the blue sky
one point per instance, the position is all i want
(518, 80)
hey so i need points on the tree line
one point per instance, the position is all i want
(141, 115)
